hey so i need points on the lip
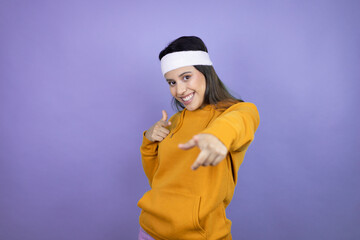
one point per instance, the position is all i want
(190, 100)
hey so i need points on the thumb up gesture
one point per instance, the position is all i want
(159, 130)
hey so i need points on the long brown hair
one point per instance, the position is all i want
(215, 92)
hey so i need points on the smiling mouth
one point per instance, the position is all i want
(188, 98)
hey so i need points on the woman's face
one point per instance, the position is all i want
(188, 86)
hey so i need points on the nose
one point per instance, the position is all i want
(181, 88)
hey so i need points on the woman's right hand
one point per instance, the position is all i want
(159, 130)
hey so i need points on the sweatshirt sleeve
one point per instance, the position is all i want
(149, 157)
(236, 126)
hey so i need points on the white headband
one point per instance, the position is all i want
(175, 60)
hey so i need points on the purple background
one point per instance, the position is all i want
(80, 81)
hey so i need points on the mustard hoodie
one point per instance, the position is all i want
(187, 204)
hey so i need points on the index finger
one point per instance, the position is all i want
(190, 144)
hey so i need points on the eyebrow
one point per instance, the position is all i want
(179, 75)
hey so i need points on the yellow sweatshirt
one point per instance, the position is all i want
(187, 204)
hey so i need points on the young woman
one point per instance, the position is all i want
(192, 160)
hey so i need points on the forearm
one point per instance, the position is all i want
(236, 127)
(149, 157)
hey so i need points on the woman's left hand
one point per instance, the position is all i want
(212, 150)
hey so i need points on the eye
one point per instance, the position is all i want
(186, 77)
(171, 83)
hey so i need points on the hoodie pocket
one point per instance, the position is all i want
(171, 215)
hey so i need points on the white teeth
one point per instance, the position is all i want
(188, 97)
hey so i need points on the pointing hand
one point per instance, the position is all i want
(159, 130)
(212, 150)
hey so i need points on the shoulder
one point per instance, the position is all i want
(243, 105)
(240, 106)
